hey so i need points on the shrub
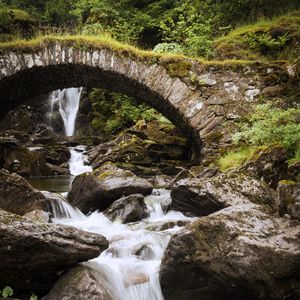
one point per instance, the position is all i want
(113, 112)
(168, 48)
(268, 126)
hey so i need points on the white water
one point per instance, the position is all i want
(129, 268)
(60, 208)
(68, 100)
(78, 161)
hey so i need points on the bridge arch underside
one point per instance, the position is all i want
(25, 84)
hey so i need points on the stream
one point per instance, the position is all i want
(129, 268)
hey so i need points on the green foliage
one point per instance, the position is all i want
(190, 28)
(269, 126)
(113, 112)
(276, 39)
(186, 27)
(168, 48)
(15, 23)
(296, 158)
(265, 43)
(7, 292)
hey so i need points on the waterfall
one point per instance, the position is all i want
(129, 268)
(68, 100)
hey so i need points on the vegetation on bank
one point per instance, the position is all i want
(113, 112)
(277, 38)
(266, 127)
(187, 27)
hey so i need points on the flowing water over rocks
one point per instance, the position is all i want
(78, 161)
(129, 267)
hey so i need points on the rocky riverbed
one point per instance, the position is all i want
(145, 221)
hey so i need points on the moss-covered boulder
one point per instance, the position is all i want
(201, 197)
(269, 164)
(97, 190)
(34, 254)
(18, 196)
(237, 253)
(146, 148)
(288, 198)
(80, 283)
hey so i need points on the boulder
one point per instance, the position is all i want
(269, 164)
(39, 216)
(160, 181)
(144, 251)
(147, 148)
(288, 198)
(237, 253)
(33, 254)
(128, 209)
(80, 283)
(165, 225)
(196, 197)
(26, 162)
(18, 196)
(97, 190)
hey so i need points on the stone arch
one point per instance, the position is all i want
(27, 74)
(203, 99)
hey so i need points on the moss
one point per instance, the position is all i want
(176, 65)
(287, 182)
(179, 69)
(104, 175)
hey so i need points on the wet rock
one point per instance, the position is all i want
(18, 196)
(144, 252)
(269, 164)
(23, 118)
(39, 216)
(97, 190)
(57, 155)
(164, 225)
(30, 163)
(80, 283)
(128, 209)
(236, 253)
(160, 181)
(198, 197)
(288, 198)
(54, 170)
(40, 252)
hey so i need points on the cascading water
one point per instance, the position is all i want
(60, 208)
(68, 100)
(78, 161)
(129, 268)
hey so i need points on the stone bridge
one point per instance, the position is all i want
(202, 98)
